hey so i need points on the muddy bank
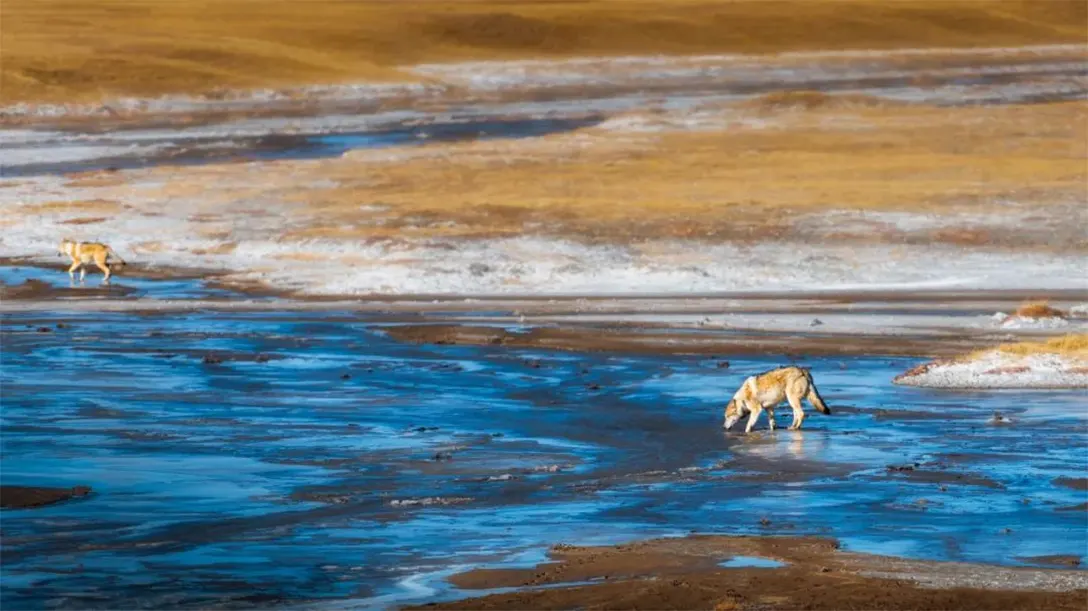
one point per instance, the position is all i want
(662, 340)
(687, 574)
(22, 497)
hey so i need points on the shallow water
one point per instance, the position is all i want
(44, 155)
(58, 285)
(755, 562)
(319, 460)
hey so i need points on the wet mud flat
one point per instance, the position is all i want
(722, 572)
(248, 458)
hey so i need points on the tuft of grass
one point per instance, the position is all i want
(1039, 309)
(81, 50)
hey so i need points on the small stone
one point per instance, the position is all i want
(816, 322)
(479, 269)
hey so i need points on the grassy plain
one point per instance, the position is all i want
(737, 183)
(88, 50)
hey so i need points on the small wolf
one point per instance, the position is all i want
(83, 253)
(767, 390)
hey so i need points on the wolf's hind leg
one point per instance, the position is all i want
(798, 411)
(100, 263)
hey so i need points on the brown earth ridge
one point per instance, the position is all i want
(68, 51)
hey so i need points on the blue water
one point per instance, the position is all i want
(755, 562)
(219, 149)
(344, 465)
(122, 284)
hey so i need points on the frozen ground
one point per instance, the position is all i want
(542, 266)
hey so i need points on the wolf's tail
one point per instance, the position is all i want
(814, 397)
(116, 256)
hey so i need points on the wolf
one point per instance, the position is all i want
(83, 253)
(767, 390)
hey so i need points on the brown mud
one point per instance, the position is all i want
(649, 340)
(23, 497)
(685, 573)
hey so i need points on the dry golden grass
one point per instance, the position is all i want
(735, 183)
(1070, 346)
(67, 50)
(1038, 309)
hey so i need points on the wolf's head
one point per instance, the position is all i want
(734, 411)
(65, 247)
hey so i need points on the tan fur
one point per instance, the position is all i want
(767, 390)
(84, 253)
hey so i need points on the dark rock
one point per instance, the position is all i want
(211, 359)
(479, 269)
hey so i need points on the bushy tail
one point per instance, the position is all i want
(116, 256)
(814, 397)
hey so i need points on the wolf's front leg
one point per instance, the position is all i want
(770, 418)
(752, 418)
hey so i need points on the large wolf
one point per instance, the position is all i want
(767, 390)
